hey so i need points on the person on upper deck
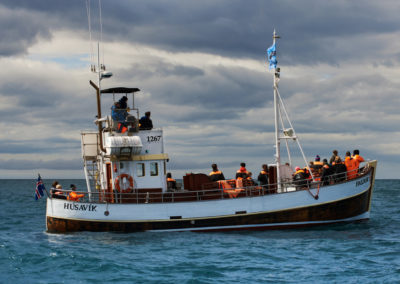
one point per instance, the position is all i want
(242, 172)
(216, 174)
(119, 115)
(123, 102)
(145, 122)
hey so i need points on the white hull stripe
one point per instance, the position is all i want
(288, 224)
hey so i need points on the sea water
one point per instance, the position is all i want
(367, 252)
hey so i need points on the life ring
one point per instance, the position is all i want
(117, 186)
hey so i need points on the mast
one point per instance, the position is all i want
(279, 107)
(273, 64)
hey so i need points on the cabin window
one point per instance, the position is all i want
(140, 170)
(154, 169)
(121, 165)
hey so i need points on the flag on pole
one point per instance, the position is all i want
(272, 56)
(39, 188)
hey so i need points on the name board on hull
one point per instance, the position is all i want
(362, 181)
(80, 207)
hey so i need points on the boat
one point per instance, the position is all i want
(128, 191)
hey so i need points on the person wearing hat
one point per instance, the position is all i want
(318, 162)
(316, 167)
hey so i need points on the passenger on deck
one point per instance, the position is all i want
(316, 167)
(351, 166)
(250, 179)
(216, 174)
(263, 176)
(339, 169)
(300, 177)
(242, 172)
(145, 122)
(171, 183)
(317, 163)
(333, 158)
(73, 195)
(327, 172)
(56, 191)
(356, 156)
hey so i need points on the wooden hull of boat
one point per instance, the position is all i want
(352, 209)
(347, 202)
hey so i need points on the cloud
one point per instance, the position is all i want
(201, 68)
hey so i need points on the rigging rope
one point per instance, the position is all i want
(101, 35)
(90, 34)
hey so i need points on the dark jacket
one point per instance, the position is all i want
(263, 178)
(146, 123)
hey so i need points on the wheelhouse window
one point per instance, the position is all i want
(154, 169)
(140, 170)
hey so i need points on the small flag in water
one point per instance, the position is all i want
(272, 56)
(39, 188)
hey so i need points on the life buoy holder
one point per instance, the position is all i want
(118, 187)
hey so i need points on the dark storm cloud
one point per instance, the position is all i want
(19, 30)
(309, 29)
(216, 92)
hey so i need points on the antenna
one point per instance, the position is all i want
(101, 68)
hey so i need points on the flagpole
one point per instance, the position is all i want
(44, 186)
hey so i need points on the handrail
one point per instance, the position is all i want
(203, 195)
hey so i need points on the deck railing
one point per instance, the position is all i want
(143, 197)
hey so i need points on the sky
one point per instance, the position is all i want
(201, 67)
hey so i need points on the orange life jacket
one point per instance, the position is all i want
(352, 167)
(358, 159)
(242, 170)
(170, 179)
(215, 173)
(73, 196)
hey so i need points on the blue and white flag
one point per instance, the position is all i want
(272, 56)
(39, 188)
